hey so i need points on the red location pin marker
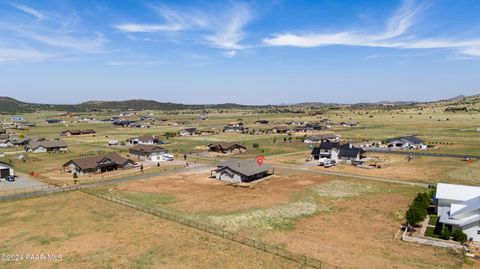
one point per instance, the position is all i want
(260, 160)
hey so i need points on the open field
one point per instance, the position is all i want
(421, 169)
(344, 221)
(331, 219)
(91, 233)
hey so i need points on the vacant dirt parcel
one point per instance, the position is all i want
(92, 233)
(346, 222)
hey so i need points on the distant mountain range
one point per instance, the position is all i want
(12, 106)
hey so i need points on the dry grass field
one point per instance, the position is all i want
(92, 233)
(344, 221)
(332, 219)
(421, 169)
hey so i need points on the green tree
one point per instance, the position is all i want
(459, 236)
(414, 215)
(445, 234)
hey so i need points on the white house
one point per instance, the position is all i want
(322, 138)
(6, 170)
(406, 142)
(148, 152)
(458, 207)
(189, 132)
(144, 140)
(335, 151)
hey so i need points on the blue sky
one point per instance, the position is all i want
(251, 52)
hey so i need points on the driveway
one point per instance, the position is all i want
(21, 181)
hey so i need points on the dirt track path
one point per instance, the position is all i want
(302, 168)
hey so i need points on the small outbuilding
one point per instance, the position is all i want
(6, 170)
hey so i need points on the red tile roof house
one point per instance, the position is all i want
(98, 164)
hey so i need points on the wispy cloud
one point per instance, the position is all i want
(230, 53)
(220, 29)
(21, 55)
(230, 32)
(30, 11)
(173, 21)
(394, 36)
(58, 32)
(147, 28)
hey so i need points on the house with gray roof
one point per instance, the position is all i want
(337, 152)
(406, 142)
(236, 171)
(46, 146)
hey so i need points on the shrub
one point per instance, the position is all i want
(459, 236)
(414, 215)
(445, 234)
(256, 145)
(422, 200)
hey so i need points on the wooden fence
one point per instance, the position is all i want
(251, 242)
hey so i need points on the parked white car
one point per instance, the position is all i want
(329, 163)
(166, 157)
(113, 143)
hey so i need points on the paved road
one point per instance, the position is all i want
(22, 181)
(40, 192)
(199, 169)
(331, 173)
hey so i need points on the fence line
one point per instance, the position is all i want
(26, 195)
(245, 240)
(430, 154)
(26, 189)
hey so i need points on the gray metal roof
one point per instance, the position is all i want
(244, 167)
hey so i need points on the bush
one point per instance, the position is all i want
(422, 200)
(256, 145)
(414, 215)
(459, 236)
(445, 234)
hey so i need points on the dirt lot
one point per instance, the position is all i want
(92, 233)
(421, 169)
(345, 222)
